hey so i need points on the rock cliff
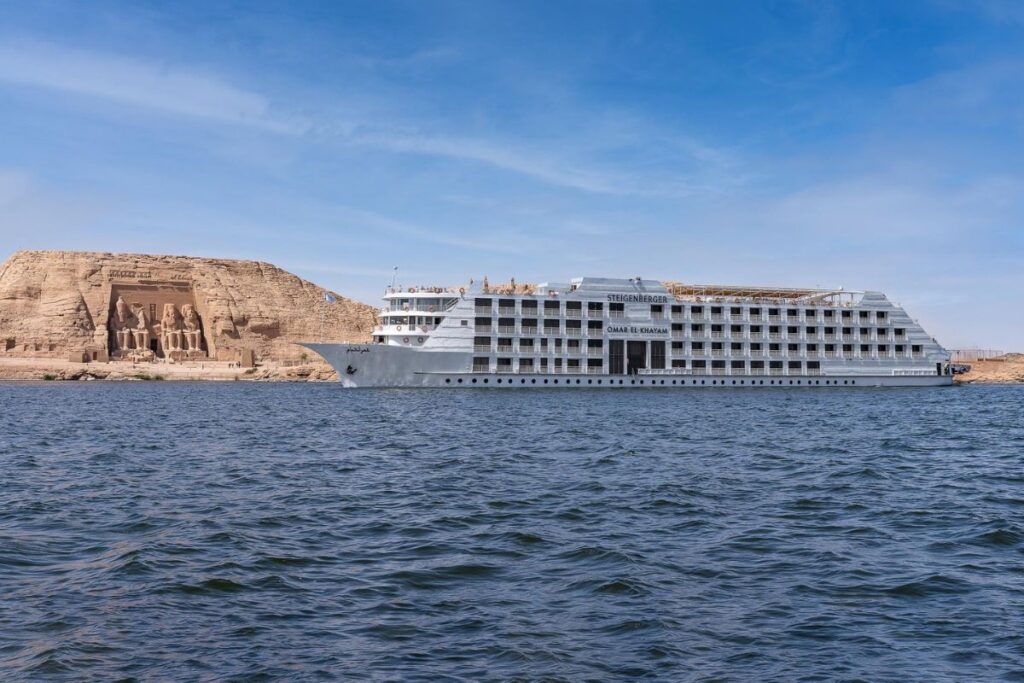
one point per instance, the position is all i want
(60, 304)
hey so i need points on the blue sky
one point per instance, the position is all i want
(865, 145)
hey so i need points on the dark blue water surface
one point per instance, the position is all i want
(180, 531)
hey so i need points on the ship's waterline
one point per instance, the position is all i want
(633, 333)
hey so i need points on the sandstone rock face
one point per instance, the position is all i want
(58, 304)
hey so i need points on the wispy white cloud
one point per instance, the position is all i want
(159, 87)
(186, 91)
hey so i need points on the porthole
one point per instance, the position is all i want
(673, 382)
(702, 381)
(632, 381)
(853, 381)
(598, 381)
(522, 381)
(447, 380)
(590, 381)
(577, 381)
(621, 381)
(499, 380)
(844, 381)
(556, 381)
(663, 381)
(734, 382)
(486, 380)
(459, 380)
(474, 380)
(641, 381)
(533, 381)
(545, 381)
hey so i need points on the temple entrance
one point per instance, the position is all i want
(616, 353)
(636, 356)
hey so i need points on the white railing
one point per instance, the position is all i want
(484, 310)
(573, 313)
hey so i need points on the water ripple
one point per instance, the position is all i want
(301, 532)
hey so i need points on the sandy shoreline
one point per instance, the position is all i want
(34, 369)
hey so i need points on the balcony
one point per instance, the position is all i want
(775, 336)
(677, 334)
(551, 330)
(529, 330)
(775, 318)
(506, 329)
(616, 314)
(481, 367)
(504, 369)
(595, 352)
(504, 349)
(657, 316)
(483, 329)
(574, 332)
(594, 370)
(717, 371)
(717, 352)
(482, 348)
(775, 371)
(484, 310)
(573, 370)
(573, 313)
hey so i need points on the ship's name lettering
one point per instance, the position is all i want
(638, 298)
(633, 329)
(357, 349)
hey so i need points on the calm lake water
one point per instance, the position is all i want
(303, 532)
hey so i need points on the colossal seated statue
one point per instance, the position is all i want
(121, 323)
(141, 331)
(170, 328)
(193, 330)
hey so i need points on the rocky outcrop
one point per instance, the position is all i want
(58, 304)
(1005, 369)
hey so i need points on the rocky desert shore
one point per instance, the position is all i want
(1006, 369)
(73, 315)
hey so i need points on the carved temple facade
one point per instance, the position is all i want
(94, 306)
(155, 319)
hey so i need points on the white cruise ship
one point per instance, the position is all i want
(619, 333)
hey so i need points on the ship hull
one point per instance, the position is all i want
(378, 365)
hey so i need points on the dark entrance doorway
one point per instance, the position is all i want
(616, 356)
(636, 356)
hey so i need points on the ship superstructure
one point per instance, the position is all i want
(635, 332)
